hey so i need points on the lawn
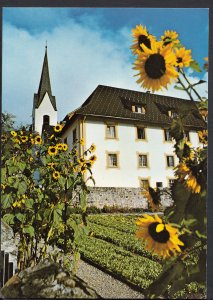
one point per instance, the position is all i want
(113, 246)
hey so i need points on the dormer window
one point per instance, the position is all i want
(138, 109)
(172, 113)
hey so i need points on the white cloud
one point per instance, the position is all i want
(80, 58)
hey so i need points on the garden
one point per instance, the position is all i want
(42, 179)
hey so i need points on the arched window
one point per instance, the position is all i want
(46, 120)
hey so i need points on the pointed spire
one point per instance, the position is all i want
(44, 85)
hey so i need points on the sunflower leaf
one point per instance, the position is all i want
(194, 65)
(179, 88)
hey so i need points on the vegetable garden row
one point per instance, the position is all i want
(113, 246)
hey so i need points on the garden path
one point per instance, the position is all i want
(104, 284)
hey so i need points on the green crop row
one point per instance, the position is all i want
(122, 223)
(134, 268)
(126, 240)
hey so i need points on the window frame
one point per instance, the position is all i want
(167, 160)
(138, 160)
(144, 131)
(165, 139)
(108, 153)
(115, 131)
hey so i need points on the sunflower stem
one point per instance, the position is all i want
(190, 85)
(186, 89)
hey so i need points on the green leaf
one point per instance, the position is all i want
(9, 219)
(180, 195)
(83, 201)
(6, 200)
(194, 65)
(29, 203)
(3, 174)
(22, 187)
(20, 217)
(62, 181)
(179, 88)
(57, 213)
(21, 166)
(30, 230)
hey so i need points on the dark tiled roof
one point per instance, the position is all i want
(44, 86)
(117, 103)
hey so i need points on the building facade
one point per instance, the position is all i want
(131, 132)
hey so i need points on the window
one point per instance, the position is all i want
(112, 160)
(74, 136)
(142, 160)
(170, 161)
(144, 183)
(186, 136)
(167, 135)
(138, 109)
(172, 114)
(171, 183)
(46, 120)
(141, 133)
(110, 132)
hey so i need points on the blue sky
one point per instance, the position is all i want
(86, 47)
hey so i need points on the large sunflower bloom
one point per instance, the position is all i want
(156, 67)
(141, 36)
(192, 184)
(170, 37)
(52, 150)
(160, 238)
(183, 57)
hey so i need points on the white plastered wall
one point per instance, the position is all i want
(45, 108)
(127, 146)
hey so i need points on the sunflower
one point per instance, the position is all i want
(52, 150)
(56, 175)
(156, 67)
(192, 184)
(170, 37)
(58, 128)
(160, 238)
(81, 160)
(38, 140)
(74, 152)
(59, 146)
(92, 148)
(188, 152)
(13, 133)
(51, 165)
(3, 138)
(93, 158)
(203, 137)
(65, 147)
(183, 57)
(82, 142)
(141, 36)
(186, 175)
(24, 138)
(83, 168)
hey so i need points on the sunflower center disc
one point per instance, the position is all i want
(179, 60)
(143, 39)
(155, 66)
(160, 237)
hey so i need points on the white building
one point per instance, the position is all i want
(44, 103)
(130, 131)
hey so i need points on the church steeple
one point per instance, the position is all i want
(44, 104)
